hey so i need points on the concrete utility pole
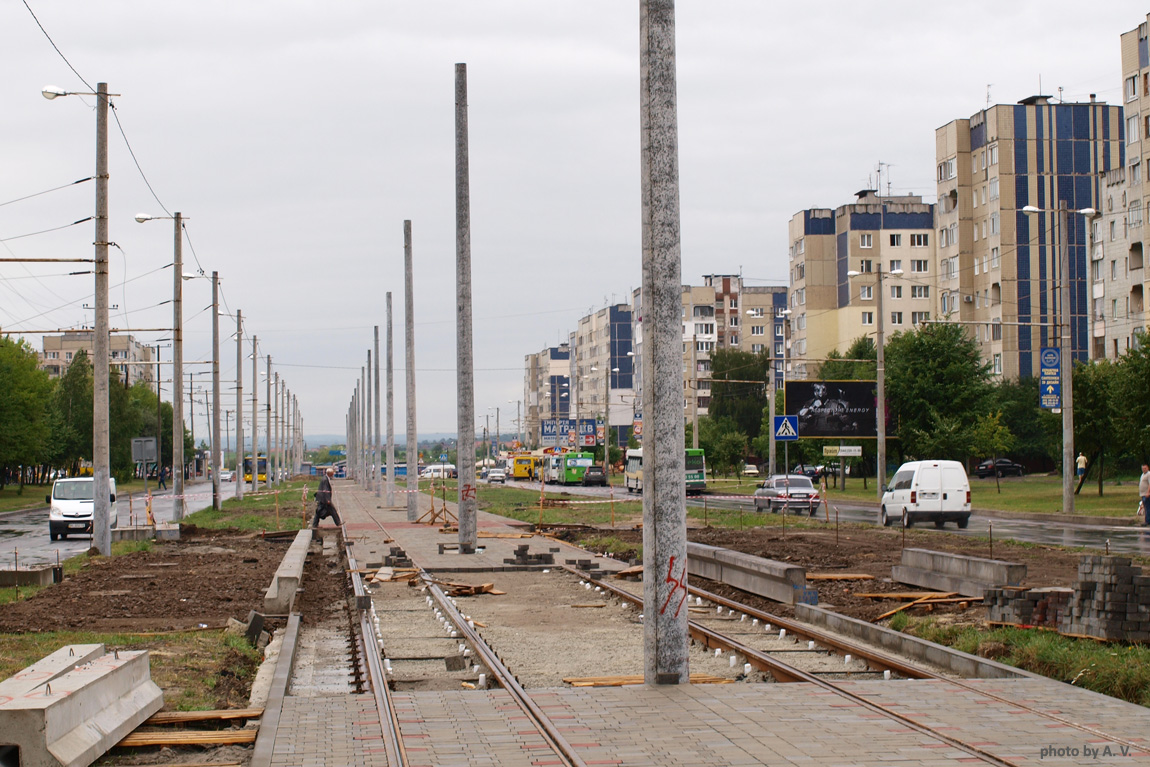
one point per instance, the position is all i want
(364, 406)
(390, 498)
(159, 426)
(369, 447)
(665, 639)
(880, 403)
(101, 449)
(771, 396)
(255, 414)
(694, 391)
(274, 432)
(375, 444)
(465, 379)
(411, 448)
(268, 426)
(239, 404)
(1066, 348)
(217, 454)
(178, 370)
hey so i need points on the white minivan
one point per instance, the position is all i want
(71, 507)
(938, 491)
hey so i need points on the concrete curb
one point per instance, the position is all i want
(280, 596)
(273, 709)
(959, 663)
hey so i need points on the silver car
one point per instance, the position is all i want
(786, 492)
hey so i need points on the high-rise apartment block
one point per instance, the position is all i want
(601, 374)
(128, 356)
(546, 388)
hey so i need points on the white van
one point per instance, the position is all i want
(927, 490)
(439, 471)
(71, 507)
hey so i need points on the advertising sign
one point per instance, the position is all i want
(547, 432)
(1050, 378)
(833, 409)
(637, 426)
(587, 432)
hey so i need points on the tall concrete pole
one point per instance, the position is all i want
(275, 448)
(268, 425)
(465, 378)
(771, 398)
(369, 443)
(178, 503)
(390, 498)
(377, 485)
(694, 391)
(239, 404)
(285, 422)
(665, 640)
(255, 414)
(217, 453)
(101, 441)
(1065, 341)
(880, 400)
(411, 448)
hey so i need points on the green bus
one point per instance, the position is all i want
(567, 468)
(695, 464)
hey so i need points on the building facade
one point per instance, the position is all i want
(128, 356)
(602, 369)
(1124, 297)
(545, 389)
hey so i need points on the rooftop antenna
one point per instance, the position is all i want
(878, 186)
(988, 94)
(1059, 94)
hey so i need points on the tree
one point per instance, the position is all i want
(25, 393)
(937, 386)
(1093, 415)
(1037, 432)
(72, 415)
(1132, 399)
(992, 438)
(722, 442)
(740, 402)
(837, 368)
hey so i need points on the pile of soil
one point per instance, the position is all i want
(204, 578)
(869, 551)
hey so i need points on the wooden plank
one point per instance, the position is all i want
(906, 595)
(595, 605)
(620, 681)
(839, 577)
(636, 570)
(483, 534)
(174, 717)
(189, 738)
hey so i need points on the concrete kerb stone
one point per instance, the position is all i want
(280, 596)
(779, 581)
(960, 663)
(969, 576)
(273, 709)
(41, 576)
(74, 705)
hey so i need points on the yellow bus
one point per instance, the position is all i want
(525, 466)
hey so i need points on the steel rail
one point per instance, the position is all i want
(555, 740)
(778, 668)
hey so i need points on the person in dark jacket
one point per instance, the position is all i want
(324, 505)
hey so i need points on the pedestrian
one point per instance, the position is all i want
(1081, 463)
(1144, 491)
(324, 505)
(163, 485)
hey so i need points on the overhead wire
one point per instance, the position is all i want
(55, 47)
(45, 231)
(46, 191)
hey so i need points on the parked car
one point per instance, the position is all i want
(497, 475)
(1003, 467)
(593, 475)
(786, 492)
(806, 470)
(750, 470)
(227, 475)
(72, 505)
(938, 491)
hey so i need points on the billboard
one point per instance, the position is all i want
(556, 432)
(833, 409)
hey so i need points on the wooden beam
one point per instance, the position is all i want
(839, 577)
(189, 738)
(176, 717)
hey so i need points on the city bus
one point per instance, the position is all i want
(567, 468)
(263, 469)
(524, 466)
(695, 464)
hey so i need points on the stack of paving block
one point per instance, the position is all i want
(397, 558)
(1110, 600)
(588, 566)
(523, 556)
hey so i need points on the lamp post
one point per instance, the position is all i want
(101, 455)
(880, 374)
(1066, 348)
(518, 422)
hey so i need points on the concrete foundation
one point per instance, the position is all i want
(167, 532)
(36, 577)
(135, 533)
(72, 706)
(765, 577)
(969, 576)
(280, 595)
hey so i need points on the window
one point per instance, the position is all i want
(994, 223)
(802, 322)
(704, 328)
(998, 364)
(757, 348)
(866, 266)
(994, 261)
(992, 150)
(802, 295)
(919, 240)
(1131, 88)
(1113, 231)
(1135, 175)
(778, 350)
(801, 245)
(994, 189)
(1096, 271)
(866, 292)
(801, 271)
(896, 265)
(1113, 270)
(896, 291)
(756, 312)
(1131, 129)
(996, 330)
(734, 339)
(917, 317)
(733, 321)
(734, 302)
(918, 265)
(984, 195)
(704, 346)
(920, 291)
(976, 267)
(779, 330)
(1114, 309)
(896, 318)
(896, 240)
(866, 241)
(758, 330)
(868, 318)
(947, 169)
(1134, 213)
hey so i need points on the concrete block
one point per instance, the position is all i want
(135, 533)
(41, 576)
(280, 596)
(993, 572)
(931, 580)
(74, 705)
(167, 532)
(779, 581)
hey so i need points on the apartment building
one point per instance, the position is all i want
(545, 389)
(999, 265)
(602, 369)
(830, 308)
(128, 356)
(1117, 271)
(1125, 293)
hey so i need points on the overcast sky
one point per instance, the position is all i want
(297, 136)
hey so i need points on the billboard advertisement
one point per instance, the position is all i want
(587, 432)
(833, 409)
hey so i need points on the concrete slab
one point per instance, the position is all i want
(136, 533)
(779, 581)
(969, 576)
(39, 576)
(280, 596)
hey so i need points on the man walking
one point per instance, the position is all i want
(324, 507)
(1144, 491)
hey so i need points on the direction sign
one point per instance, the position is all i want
(786, 428)
(842, 451)
(1050, 378)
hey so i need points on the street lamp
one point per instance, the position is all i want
(1065, 348)
(101, 454)
(880, 370)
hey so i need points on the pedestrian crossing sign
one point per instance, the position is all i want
(786, 427)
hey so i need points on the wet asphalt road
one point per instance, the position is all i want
(24, 534)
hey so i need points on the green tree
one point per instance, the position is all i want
(25, 393)
(937, 386)
(1094, 430)
(72, 415)
(738, 389)
(1037, 432)
(838, 368)
(991, 438)
(722, 442)
(1132, 399)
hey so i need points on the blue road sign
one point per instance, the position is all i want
(1050, 378)
(443, 456)
(786, 428)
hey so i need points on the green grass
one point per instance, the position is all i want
(612, 544)
(186, 665)
(1121, 671)
(523, 505)
(258, 512)
(11, 499)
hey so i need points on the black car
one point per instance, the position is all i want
(594, 476)
(1004, 467)
(807, 470)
